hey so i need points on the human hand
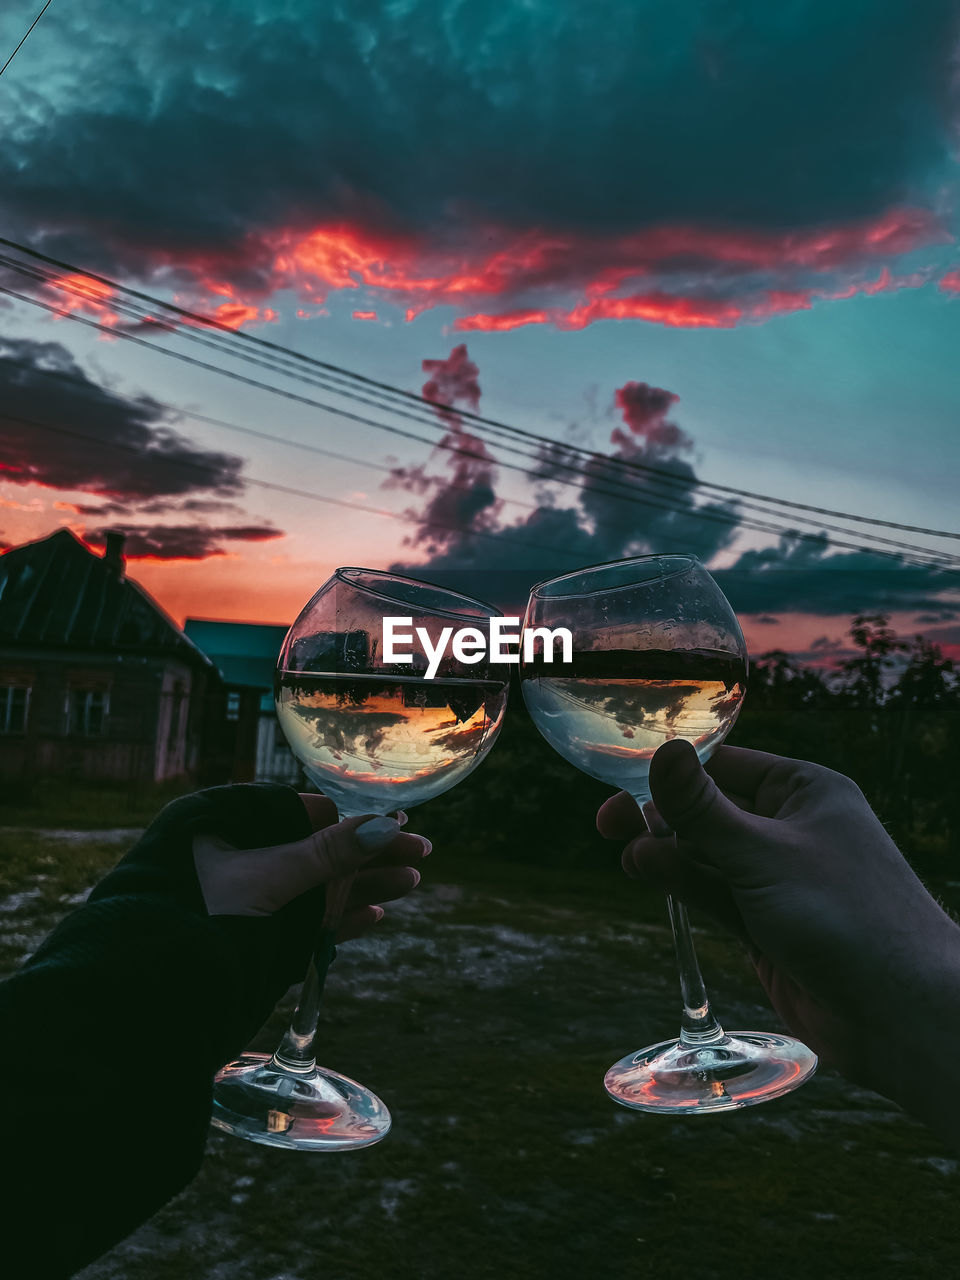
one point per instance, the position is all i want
(372, 852)
(852, 950)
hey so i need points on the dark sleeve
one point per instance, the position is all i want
(112, 1032)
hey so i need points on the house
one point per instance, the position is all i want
(245, 654)
(96, 681)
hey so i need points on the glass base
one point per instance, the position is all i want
(318, 1110)
(738, 1070)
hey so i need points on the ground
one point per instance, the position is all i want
(485, 1010)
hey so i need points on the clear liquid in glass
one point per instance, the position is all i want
(608, 710)
(374, 743)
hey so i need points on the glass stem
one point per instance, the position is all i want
(297, 1048)
(697, 1023)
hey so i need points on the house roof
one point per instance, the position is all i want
(57, 593)
(245, 653)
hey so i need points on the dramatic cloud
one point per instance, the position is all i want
(62, 430)
(612, 511)
(464, 503)
(587, 511)
(804, 576)
(645, 410)
(182, 542)
(713, 165)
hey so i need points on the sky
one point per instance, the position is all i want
(718, 240)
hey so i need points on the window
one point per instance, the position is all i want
(14, 701)
(87, 711)
(233, 706)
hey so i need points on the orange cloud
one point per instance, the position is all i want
(685, 276)
(85, 295)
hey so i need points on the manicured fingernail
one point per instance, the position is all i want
(376, 832)
(427, 845)
(402, 817)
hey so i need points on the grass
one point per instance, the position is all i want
(485, 1013)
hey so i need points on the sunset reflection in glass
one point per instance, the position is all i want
(375, 735)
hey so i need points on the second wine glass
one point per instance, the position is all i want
(375, 735)
(657, 653)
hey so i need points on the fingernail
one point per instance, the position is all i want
(376, 832)
(427, 845)
(402, 817)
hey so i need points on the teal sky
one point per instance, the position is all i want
(741, 172)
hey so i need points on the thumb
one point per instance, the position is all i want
(258, 882)
(689, 800)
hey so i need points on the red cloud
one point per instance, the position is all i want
(683, 276)
(645, 410)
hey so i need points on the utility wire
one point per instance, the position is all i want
(24, 39)
(933, 558)
(289, 354)
(635, 496)
(282, 488)
(627, 490)
(407, 517)
(215, 340)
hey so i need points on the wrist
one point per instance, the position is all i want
(910, 1027)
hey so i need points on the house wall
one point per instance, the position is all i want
(146, 727)
(275, 761)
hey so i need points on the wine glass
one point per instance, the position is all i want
(375, 734)
(657, 653)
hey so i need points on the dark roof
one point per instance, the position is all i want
(245, 653)
(57, 593)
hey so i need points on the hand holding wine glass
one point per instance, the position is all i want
(656, 654)
(854, 953)
(376, 733)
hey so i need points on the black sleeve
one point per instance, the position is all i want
(112, 1032)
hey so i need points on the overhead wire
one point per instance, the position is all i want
(730, 519)
(23, 39)
(340, 373)
(909, 551)
(931, 557)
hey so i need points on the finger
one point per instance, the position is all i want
(260, 881)
(321, 810)
(746, 803)
(619, 818)
(658, 862)
(741, 770)
(688, 798)
(359, 922)
(384, 884)
(408, 850)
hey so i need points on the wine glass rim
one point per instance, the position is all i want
(687, 561)
(343, 574)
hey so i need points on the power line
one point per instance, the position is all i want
(407, 517)
(384, 388)
(282, 488)
(216, 341)
(634, 497)
(933, 558)
(25, 34)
